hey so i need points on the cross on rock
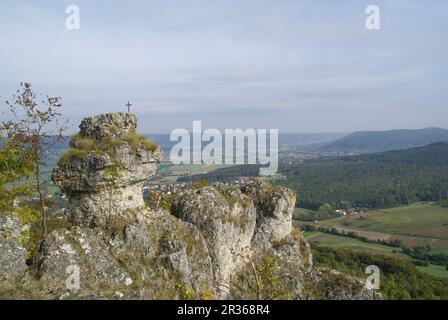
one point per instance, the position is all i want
(129, 106)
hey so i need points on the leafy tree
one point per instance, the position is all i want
(326, 208)
(15, 167)
(33, 128)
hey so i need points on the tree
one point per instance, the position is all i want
(15, 167)
(34, 127)
(326, 208)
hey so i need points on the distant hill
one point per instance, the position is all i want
(376, 141)
(302, 139)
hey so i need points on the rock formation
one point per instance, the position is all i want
(217, 241)
(12, 254)
(105, 186)
(226, 219)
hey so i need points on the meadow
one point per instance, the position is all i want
(417, 224)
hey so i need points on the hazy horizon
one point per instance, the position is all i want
(302, 67)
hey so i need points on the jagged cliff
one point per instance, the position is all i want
(218, 241)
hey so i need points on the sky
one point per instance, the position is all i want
(297, 66)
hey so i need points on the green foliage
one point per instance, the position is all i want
(184, 292)
(140, 141)
(378, 180)
(16, 169)
(399, 278)
(71, 154)
(16, 166)
(263, 279)
(83, 143)
(156, 200)
(198, 184)
(422, 253)
(30, 130)
(326, 208)
(34, 234)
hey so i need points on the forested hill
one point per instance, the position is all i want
(376, 180)
(376, 141)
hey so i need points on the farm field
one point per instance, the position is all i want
(336, 241)
(417, 224)
(418, 219)
(301, 213)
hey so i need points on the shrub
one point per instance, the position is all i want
(71, 154)
(139, 140)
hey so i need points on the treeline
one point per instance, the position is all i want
(392, 243)
(399, 278)
(377, 180)
(422, 253)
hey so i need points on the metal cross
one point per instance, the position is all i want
(129, 106)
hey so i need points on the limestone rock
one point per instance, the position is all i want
(328, 284)
(109, 125)
(65, 251)
(226, 219)
(156, 257)
(104, 188)
(274, 212)
(12, 254)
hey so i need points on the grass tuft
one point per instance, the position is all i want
(82, 145)
(71, 154)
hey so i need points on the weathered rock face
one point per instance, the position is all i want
(109, 125)
(274, 212)
(12, 254)
(156, 257)
(102, 188)
(226, 219)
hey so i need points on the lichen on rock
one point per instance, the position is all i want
(227, 222)
(12, 254)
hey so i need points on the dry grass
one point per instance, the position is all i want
(71, 154)
(82, 145)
